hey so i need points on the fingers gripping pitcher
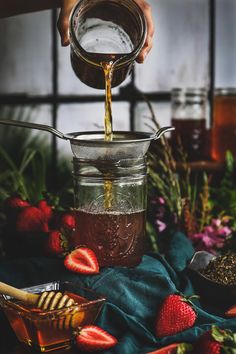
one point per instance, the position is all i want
(102, 31)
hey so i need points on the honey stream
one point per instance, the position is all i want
(108, 68)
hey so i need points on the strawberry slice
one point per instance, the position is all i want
(174, 348)
(92, 338)
(231, 312)
(82, 260)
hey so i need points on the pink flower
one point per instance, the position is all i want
(161, 226)
(158, 200)
(224, 231)
(208, 241)
(161, 200)
(208, 229)
(216, 222)
(212, 236)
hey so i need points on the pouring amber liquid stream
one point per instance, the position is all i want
(108, 68)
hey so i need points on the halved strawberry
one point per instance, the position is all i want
(91, 338)
(231, 312)
(82, 260)
(180, 348)
(57, 243)
(31, 219)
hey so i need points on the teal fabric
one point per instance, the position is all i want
(179, 250)
(133, 295)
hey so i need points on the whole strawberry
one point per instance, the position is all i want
(64, 221)
(175, 315)
(46, 209)
(31, 219)
(12, 206)
(215, 341)
(68, 221)
(57, 243)
(92, 338)
(15, 203)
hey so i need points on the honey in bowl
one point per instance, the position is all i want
(53, 329)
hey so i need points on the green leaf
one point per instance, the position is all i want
(184, 348)
(152, 235)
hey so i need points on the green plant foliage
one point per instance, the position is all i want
(224, 195)
(26, 162)
(190, 201)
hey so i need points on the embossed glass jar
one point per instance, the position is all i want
(110, 208)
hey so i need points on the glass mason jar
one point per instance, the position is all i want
(224, 123)
(104, 31)
(189, 119)
(110, 209)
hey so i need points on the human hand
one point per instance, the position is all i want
(63, 20)
(63, 25)
(147, 10)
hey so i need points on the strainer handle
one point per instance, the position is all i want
(162, 131)
(37, 126)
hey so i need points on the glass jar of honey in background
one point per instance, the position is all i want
(104, 31)
(224, 123)
(188, 116)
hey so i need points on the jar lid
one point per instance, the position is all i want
(225, 91)
(189, 94)
(196, 95)
(177, 95)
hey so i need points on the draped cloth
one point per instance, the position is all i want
(133, 296)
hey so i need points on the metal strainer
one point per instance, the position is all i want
(91, 145)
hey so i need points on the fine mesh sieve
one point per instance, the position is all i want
(87, 145)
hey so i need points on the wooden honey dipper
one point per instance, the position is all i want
(48, 300)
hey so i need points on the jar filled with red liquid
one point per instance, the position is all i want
(224, 123)
(188, 116)
(110, 208)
